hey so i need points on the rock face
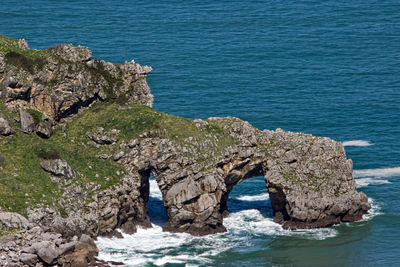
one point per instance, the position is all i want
(62, 79)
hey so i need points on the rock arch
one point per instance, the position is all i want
(308, 178)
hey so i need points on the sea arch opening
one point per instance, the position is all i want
(156, 209)
(249, 194)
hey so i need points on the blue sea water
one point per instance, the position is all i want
(329, 68)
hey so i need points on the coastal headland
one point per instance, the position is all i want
(79, 141)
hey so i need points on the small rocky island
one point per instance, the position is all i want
(79, 141)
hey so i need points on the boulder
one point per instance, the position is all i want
(59, 168)
(27, 121)
(47, 251)
(44, 129)
(5, 128)
(28, 259)
(14, 220)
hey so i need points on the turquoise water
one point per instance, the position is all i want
(330, 68)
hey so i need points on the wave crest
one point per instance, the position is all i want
(356, 143)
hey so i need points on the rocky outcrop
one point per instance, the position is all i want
(34, 247)
(59, 168)
(309, 179)
(61, 80)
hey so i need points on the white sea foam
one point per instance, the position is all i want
(363, 182)
(157, 247)
(155, 190)
(380, 173)
(253, 223)
(374, 211)
(263, 196)
(356, 143)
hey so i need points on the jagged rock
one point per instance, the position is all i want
(59, 168)
(104, 138)
(44, 129)
(27, 122)
(13, 220)
(5, 128)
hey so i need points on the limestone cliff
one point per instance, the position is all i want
(86, 171)
(60, 80)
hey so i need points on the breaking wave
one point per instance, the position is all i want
(251, 217)
(356, 143)
(363, 182)
(381, 173)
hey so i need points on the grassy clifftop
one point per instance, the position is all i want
(24, 184)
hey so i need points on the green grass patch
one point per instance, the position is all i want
(36, 115)
(25, 62)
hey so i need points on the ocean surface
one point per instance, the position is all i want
(329, 68)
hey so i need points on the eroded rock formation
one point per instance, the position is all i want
(309, 179)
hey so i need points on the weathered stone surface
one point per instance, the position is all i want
(27, 122)
(5, 128)
(13, 220)
(58, 168)
(68, 52)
